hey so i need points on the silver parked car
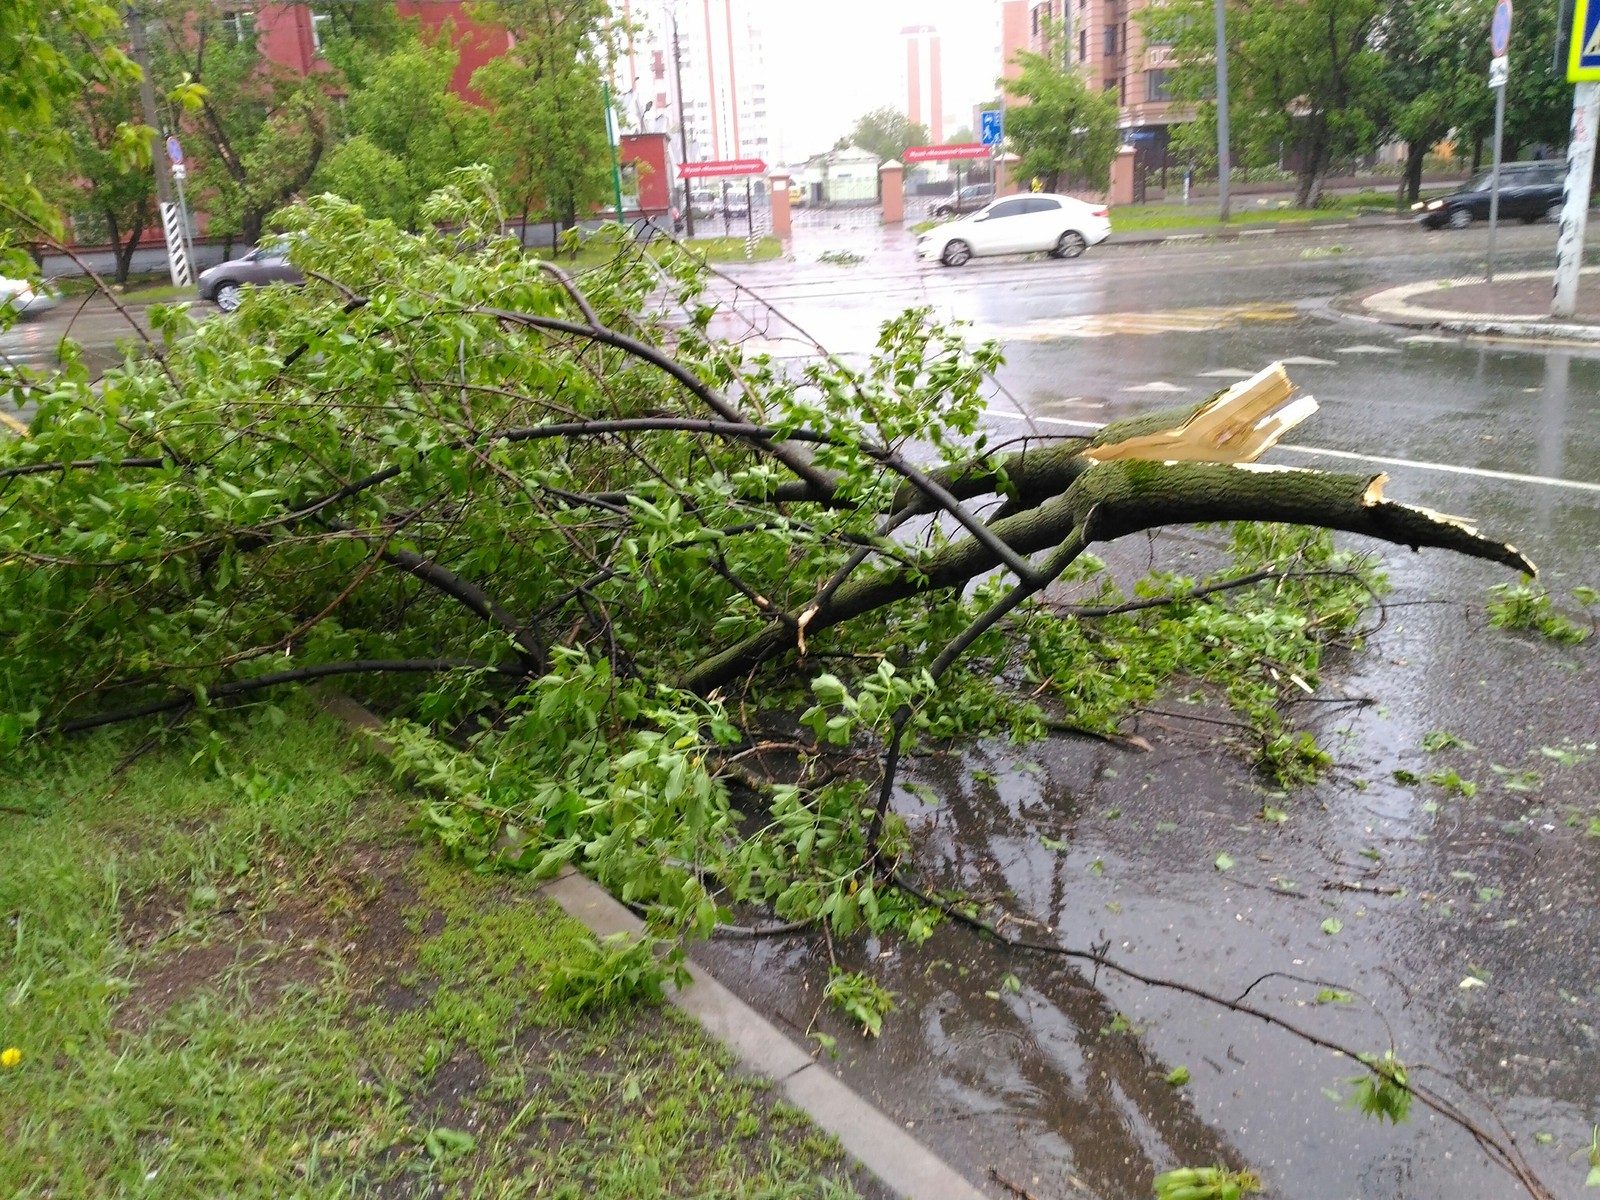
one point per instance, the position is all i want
(267, 263)
(26, 298)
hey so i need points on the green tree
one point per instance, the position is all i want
(1429, 69)
(41, 77)
(113, 200)
(547, 106)
(261, 130)
(1538, 96)
(404, 130)
(887, 132)
(1304, 76)
(1066, 130)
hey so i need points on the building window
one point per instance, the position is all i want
(1156, 86)
(1111, 40)
(321, 30)
(1035, 15)
(1083, 44)
(240, 26)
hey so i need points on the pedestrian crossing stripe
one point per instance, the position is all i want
(1583, 62)
(1178, 320)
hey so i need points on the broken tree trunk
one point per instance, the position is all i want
(1197, 465)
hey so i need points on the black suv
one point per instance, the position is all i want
(1529, 191)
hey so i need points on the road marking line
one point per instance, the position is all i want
(1366, 349)
(1580, 485)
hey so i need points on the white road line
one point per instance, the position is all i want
(1580, 485)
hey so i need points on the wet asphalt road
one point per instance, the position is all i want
(1435, 893)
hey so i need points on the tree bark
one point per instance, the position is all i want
(1416, 154)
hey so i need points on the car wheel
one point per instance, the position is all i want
(1070, 244)
(229, 296)
(1459, 219)
(942, 211)
(956, 254)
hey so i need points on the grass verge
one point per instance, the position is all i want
(234, 972)
(714, 249)
(1160, 216)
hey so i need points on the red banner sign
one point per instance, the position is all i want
(916, 154)
(726, 166)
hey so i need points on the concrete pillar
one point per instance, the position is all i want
(892, 181)
(1122, 176)
(778, 191)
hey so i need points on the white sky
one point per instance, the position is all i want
(830, 61)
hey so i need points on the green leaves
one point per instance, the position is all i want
(1382, 1092)
(861, 998)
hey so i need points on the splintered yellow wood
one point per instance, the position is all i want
(1239, 426)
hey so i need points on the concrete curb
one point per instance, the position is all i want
(903, 1164)
(1393, 306)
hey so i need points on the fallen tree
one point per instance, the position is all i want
(669, 601)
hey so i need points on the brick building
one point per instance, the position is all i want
(1104, 41)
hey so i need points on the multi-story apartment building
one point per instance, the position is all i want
(717, 48)
(1104, 40)
(924, 79)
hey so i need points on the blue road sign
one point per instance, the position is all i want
(174, 151)
(1583, 61)
(1500, 28)
(993, 126)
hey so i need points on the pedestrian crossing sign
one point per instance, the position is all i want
(1583, 61)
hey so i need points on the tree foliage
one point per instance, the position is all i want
(547, 106)
(51, 54)
(602, 536)
(1305, 79)
(1065, 131)
(887, 132)
(403, 130)
(1431, 51)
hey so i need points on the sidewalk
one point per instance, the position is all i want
(1516, 304)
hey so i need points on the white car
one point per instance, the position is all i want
(25, 299)
(1027, 224)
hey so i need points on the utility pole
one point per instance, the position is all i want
(611, 141)
(1223, 163)
(171, 215)
(683, 128)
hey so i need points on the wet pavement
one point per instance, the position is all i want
(1467, 924)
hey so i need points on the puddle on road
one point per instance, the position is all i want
(1423, 890)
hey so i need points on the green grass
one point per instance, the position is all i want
(1130, 218)
(715, 249)
(231, 971)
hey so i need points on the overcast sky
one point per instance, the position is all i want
(829, 61)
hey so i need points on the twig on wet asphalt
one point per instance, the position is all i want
(1016, 1189)
(1500, 1150)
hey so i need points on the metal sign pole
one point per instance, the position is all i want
(1223, 161)
(1494, 188)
